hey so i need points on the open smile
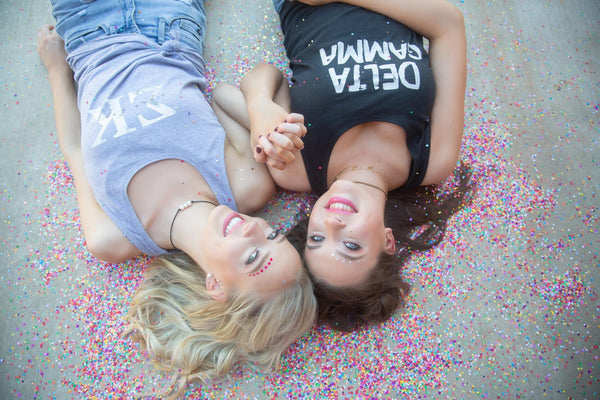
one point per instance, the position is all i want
(231, 223)
(341, 205)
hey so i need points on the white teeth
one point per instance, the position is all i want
(234, 221)
(341, 207)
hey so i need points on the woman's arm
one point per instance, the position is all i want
(104, 240)
(230, 106)
(443, 25)
(267, 103)
(250, 181)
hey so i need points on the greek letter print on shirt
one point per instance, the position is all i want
(351, 66)
(112, 114)
(368, 70)
(141, 102)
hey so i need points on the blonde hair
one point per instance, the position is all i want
(194, 337)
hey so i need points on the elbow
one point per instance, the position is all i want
(221, 94)
(267, 67)
(457, 17)
(255, 200)
(105, 251)
(264, 72)
(441, 168)
(457, 21)
(453, 16)
(266, 194)
(447, 169)
(450, 19)
(100, 252)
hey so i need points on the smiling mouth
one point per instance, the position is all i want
(341, 205)
(232, 222)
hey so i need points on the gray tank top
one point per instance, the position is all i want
(141, 102)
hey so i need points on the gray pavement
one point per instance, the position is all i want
(506, 307)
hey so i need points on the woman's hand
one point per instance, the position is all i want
(277, 136)
(51, 49)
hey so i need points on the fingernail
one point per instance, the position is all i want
(258, 149)
(268, 136)
(276, 128)
(259, 136)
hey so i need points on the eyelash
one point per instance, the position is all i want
(349, 245)
(352, 246)
(272, 236)
(315, 238)
(252, 257)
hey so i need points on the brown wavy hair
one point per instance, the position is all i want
(418, 219)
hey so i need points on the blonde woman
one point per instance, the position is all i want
(157, 174)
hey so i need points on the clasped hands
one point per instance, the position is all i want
(274, 142)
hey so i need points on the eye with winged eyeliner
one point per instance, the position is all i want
(275, 236)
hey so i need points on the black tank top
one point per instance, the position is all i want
(351, 66)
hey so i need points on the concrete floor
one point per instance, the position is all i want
(506, 307)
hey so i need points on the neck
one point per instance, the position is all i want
(365, 175)
(189, 219)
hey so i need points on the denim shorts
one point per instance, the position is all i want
(80, 21)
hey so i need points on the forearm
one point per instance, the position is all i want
(260, 86)
(447, 56)
(429, 18)
(66, 113)
(448, 62)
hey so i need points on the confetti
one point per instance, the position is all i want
(505, 307)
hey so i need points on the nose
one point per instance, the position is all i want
(334, 221)
(250, 227)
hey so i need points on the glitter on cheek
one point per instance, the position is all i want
(262, 269)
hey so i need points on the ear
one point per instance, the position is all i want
(216, 291)
(389, 245)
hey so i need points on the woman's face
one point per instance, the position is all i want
(246, 254)
(346, 234)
